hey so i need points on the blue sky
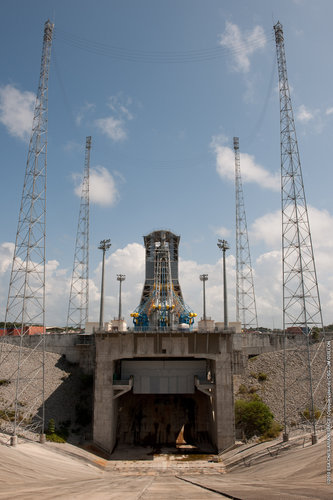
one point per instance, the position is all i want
(162, 87)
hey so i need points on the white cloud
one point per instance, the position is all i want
(112, 127)
(102, 187)
(88, 106)
(120, 105)
(329, 111)
(222, 232)
(6, 256)
(304, 115)
(16, 111)
(268, 229)
(242, 45)
(251, 171)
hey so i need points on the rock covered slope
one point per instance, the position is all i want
(264, 376)
(68, 391)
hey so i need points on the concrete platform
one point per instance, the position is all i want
(49, 471)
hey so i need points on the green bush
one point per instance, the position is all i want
(55, 438)
(307, 414)
(242, 389)
(272, 432)
(262, 377)
(253, 417)
(4, 381)
(51, 426)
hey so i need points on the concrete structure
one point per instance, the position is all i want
(163, 388)
(155, 388)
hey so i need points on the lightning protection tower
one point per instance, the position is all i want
(304, 363)
(79, 293)
(246, 309)
(25, 311)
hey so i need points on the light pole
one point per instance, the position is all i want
(120, 278)
(204, 278)
(224, 245)
(104, 246)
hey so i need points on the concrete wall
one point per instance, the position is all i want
(218, 406)
(77, 348)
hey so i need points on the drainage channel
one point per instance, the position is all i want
(209, 489)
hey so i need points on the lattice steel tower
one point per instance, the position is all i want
(246, 308)
(79, 293)
(301, 302)
(26, 296)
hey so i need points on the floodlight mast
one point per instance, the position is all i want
(224, 246)
(104, 246)
(120, 278)
(204, 278)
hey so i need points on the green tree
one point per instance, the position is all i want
(253, 417)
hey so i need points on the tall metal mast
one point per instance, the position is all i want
(26, 296)
(301, 302)
(79, 293)
(246, 309)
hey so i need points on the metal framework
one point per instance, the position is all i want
(26, 296)
(162, 306)
(79, 292)
(303, 371)
(246, 308)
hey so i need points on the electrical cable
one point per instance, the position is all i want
(157, 57)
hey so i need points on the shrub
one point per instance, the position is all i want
(4, 381)
(242, 389)
(253, 417)
(51, 426)
(55, 438)
(307, 414)
(262, 377)
(272, 432)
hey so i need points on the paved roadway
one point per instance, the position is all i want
(51, 471)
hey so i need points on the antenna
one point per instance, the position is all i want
(25, 311)
(79, 293)
(246, 309)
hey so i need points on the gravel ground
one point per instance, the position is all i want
(68, 392)
(270, 365)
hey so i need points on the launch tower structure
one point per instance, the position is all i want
(79, 293)
(246, 309)
(301, 301)
(162, 306)
(26, 295)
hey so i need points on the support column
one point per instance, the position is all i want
(224, 412)
(105, 407)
